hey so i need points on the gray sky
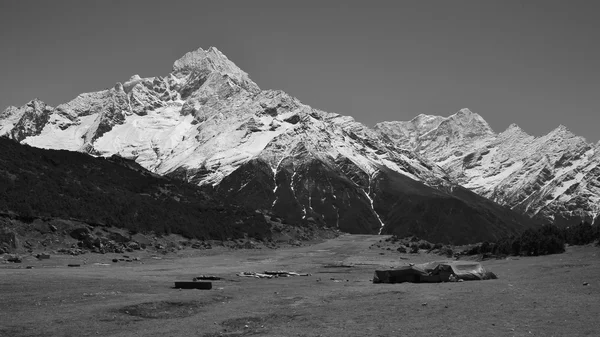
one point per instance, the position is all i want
(534, 63)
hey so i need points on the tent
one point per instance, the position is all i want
(434, 272)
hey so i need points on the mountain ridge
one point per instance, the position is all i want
(551, 176)
(207, 123)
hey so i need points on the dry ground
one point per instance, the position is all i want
(534, 296)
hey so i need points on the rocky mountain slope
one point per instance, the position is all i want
(554, 177)
(207, 123)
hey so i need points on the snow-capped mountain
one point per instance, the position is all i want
(554, 177)
(207, 123)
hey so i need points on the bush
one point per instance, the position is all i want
(414, 248)
(485, 248)
(401, 249)
(545, 240)
(581, 234)
(446, 251)
(472, 251)
(425, 245)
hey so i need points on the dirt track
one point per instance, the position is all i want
(541, 296)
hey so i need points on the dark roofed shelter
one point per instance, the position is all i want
(434, 272)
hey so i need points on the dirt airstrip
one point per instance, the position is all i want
(534, 296)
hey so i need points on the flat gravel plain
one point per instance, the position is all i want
(556, 295)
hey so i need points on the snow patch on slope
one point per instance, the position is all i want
(61, 133)
(148, 138)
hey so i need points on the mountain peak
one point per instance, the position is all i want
(562, 130)
(470, 120)
(466, 114)
(423, 117)
(36, 102)
(514, 132)
(465, 111)
(212, 61)
(514, 128)
(202, 60)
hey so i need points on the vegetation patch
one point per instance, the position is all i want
(49, 184)
(548, 239)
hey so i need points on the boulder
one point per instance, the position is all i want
(117, 237)
(133, 245)
(80, 233)
(141, 239)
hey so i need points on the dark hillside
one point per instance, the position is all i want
(457, 216)
(114, 192)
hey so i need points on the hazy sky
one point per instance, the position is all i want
(534, 63)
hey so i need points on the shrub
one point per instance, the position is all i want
(414, 248)
(472, 251)
(446, 251)
(485, 248)
(581, 234)
(401, 249)
(425, 245)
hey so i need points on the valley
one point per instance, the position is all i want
(533, 296)
(307, 169)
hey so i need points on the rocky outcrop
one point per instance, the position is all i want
(26, 121)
